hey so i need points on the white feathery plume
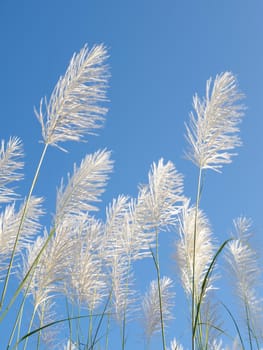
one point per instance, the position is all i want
(70, 346)
(135, 241)
(9, 225)
(213, 132)
(160, 201)
(28, 258)
(123, 234)
(47, 315)
(71, 263)
(216, 345)
(85, 186)
(51, 271)
(115, 230)
(10, 163)
(42, 282)
(73, 109)
(87, 278)
(121, 286)
(204, 249)
(115, 214)
(151, 306)
(119, 251)
(175, 346)
(243, 263)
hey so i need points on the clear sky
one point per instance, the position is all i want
(161, 53)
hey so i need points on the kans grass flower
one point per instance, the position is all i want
(123, 234)
(70, 345)
(87, 282)
(119, 250)
(73, 109)
(55, 268)
(204, 249)
(10, 163)
(9, 223)
(151, 306)
(213, 129)
(160, 201)
(55, 271)
(174, 345)
(84, 187)
(123, 294)
(243, 263)
(48, 274)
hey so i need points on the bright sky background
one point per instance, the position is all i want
(161, 53)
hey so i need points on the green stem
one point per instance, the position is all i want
(236, 325)
(15, 295)
(44, 327)
(78, 327)
(41, 324)
(248, 325)
(29, 328)
(69, 322)
(123, 332)
(100, 321)
(19, 317)
(107, 332)
(21, 225)
(198, 195)
(157, 265)
(89, 340)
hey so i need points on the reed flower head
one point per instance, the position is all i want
(10, 163)
(213, 129)
(151, 306)
(175, 346)
(122, 245)
(160, 201)
(9, 224)
(123, 234)
(243, 263)
(84, 187)
(70, 346)
(123, 294)
(46, 315)
(216, 345)
(51, 272)
(73, 109)
(204, 249)
(86, 276)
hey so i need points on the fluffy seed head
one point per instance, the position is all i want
(243, 263)
(213, 129)
(10, 155)
(204, 248)
(85, 186)
(74, 106)
(160, 201)
(151, 306)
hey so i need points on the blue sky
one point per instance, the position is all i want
(161, 53)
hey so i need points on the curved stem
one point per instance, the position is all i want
(123, 331)
(198, 196)
(19, 317)
(21, 225)
(40, 325)
(248, 325)
(157, 265)
(89, 340)
(29, 328)
(15, 295)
